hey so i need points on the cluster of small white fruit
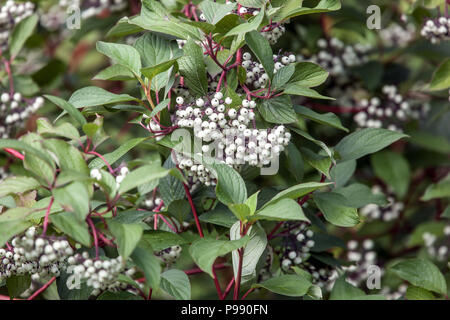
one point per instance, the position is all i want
(11, 13)
(91, 8)
(390, 112)
(102, 275)
(155, 128)
(169, 255)
(337, 57)
(14, 110)
(394, 294)
(397, 35)
(233, 142)
(388, 213)
(436, 30)
(256, 76)
(296, 245)
(97, 175)
(323, 275)
(33, 254)
(438, 249)
(362, 257)
(152, 203)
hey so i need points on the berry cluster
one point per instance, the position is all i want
(296, 245)
(322, 274)
(11, 13)
(33, 254)
(14, 110)
(228, 130)
(388, 213)
(123, 171)
(337, 57)
(390, 112)
(436, 30)
(439, 249)
(102, 275)
(169, 255)
(362, 256)
(397, 35)
(256, 76)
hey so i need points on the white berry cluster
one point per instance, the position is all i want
(322, 274)
(438, 249)
(33, 254)
(390, 111)
(256, 76)
(227, 131)
(273, 32)
(14, 110)
(169, 255)
(92, 8)
(397, 35)
(296, 245)
(336, 57)
(436, 30)
(394, 294)
(387, 213)
(101, 275)
(11, 13)
(362, 256)
(97, 175)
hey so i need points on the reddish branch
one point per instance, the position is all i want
(42, 289)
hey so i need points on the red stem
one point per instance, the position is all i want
(47, 213)
(194, 212)
(41, 289)
(94, 233)
(104, 160)
(15, 153)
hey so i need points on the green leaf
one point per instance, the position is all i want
(441, 77)
(240, 210)
(245, 27)
(253, 251)
(15, 185)
(10, 228)
(252, 202)
(17, 285)
(282, 76)
(277, 110)
(74, 198)
(298, 10)
(171, 188)
(176, 283)
(299, 90)
(220, 215)
(168, 26)
(26, 147)
(67, 107)
(319, 161)
(329, 119)
(149, 264)
(431, 142)
(123, 54)
(287, 285)
(68, 157)
(127, 236)
(95, 96)
(160, 240)
(261, 48)
(438, 190)
(112, 157)
(308, 74)
(317, 142)
(230, 188)
(193, 69)
(141, 176)
(214, 11)
(22, 31)
(342, 172)
(417, 293)
(294, 161)
(393, 169)
(66, 129)
(116, 72)
(421, 273)
(284, 209)
(358, 195)
(342, 290)
(70, 225)
(366, 141)
(334, 208)
(297, 191)
(151, 72)
(204, 251)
